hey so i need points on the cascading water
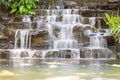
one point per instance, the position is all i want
(27, 21)
(97, 40)
(66, 20)
(97, 48)
(65, 38)
(22, 42)
(60, 4)
(22, 37)
(63, 44)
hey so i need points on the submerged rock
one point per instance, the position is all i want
(6, 73)
(4, 54)
(116, 65)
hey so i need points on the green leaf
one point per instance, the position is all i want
(13, 10)
(29, 6)
(32, 12)
(21, 8)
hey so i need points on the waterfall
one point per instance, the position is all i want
(60, 4)
(64, 44)
(27, 21)
(92, 21)
(22, 44)
(63, 41)
(98, 41)
(16, 39)
(22, 38)
(65, 20)
(66, 35)
(65, 38)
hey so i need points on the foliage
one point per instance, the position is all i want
(114, 24)
(23, 6)
(20, 6)
(5, 3)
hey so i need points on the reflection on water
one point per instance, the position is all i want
(61, 69)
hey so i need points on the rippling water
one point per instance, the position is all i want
(64, 69)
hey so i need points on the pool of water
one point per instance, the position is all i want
(64, 69)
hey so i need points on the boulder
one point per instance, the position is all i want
(70, 4)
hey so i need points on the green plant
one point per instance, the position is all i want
(5, 3)
(114, 24)
(20, 6)
(24, 6)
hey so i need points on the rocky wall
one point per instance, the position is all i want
(40, 39)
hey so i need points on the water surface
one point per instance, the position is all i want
(61, 69)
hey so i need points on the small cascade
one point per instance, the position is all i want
(22, 37)
(22, 46)
(22, 41)
(92, 21)
(22, 56)
(97, 48)
(39, 23)
(27, 21)
(60, 4)
(97, 40)
(65, 38)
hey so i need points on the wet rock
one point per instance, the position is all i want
(4, 17)
(24, 54)
(70, 4)
(117, 47)
(3, 38)
(118, 56)
(52, 54)
(38, 12)
(40, 45)
(4, 54)
(67, 54)
(37, 54)
(39, 39)
(95, 53)
(38, 33)
(2, 26)
(113, 1)
(110, 40)
(2, 30)
(10, 33)
(7, 45)
(19, 25)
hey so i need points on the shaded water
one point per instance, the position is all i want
(60, 69)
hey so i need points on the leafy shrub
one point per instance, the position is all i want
(114, 24)
(5, 3)
(20, 6)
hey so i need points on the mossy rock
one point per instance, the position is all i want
(39, 39)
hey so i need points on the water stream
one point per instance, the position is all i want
(64, 44)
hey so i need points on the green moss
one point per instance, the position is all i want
(39, 39)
